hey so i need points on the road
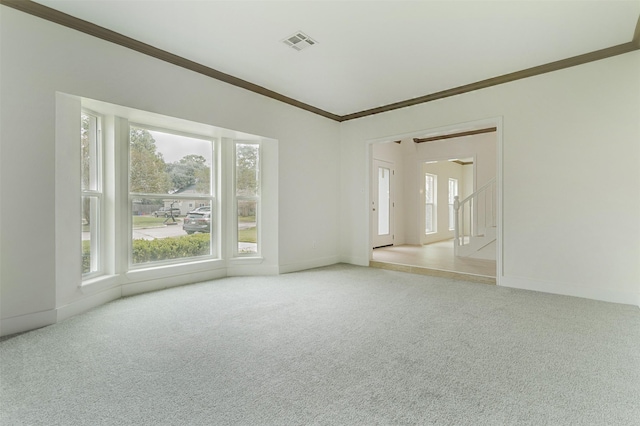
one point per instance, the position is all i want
(159, 232)
(168, 231)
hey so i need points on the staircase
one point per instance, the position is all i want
(475, 220)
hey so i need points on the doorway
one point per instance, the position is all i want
(472, 147)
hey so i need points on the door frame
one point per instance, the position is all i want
(407, 138)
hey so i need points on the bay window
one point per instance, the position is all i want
(156, 197)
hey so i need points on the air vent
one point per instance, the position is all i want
(299, 41)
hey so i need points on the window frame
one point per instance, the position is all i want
(97, 230)
(236, 253)
(212, 198)
(431, 205)
(117, 278)
(451, 198)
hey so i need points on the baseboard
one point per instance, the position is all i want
(354, 260)
(247, 270)
(602, 294)
(27, 322)
(173, 281)
(308, 264)
(89, 302)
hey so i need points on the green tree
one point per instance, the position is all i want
(148, 171)
(190, 170)
(203, 180)
(85, 164)
(247, 157)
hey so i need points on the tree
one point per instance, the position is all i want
(203, 180)
(148, 171)
(86, 160)
(247, 183)
(85, 164)
(190, 170)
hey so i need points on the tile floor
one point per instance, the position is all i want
(434, 259)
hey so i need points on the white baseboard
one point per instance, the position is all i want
(27, 322)
(173, 281)
(308, 264)
(354, 260)
(602, 294)
(244, 270)
(89, 302)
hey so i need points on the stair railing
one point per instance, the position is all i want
(474, 214)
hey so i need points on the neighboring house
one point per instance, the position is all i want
(186, 206)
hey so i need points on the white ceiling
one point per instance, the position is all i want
(369, 53)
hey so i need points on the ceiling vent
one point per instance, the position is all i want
(299, 41)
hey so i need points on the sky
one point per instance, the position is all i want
(174, 147)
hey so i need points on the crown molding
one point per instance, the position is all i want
(506, 78)
(456, 135)
(52, 15)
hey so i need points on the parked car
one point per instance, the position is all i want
(197, 222)
(166, 212)
(201, 209)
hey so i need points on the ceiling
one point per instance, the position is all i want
(368, 53)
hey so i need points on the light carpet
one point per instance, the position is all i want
(341, 345)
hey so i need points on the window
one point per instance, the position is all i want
(169, 173)
(247, 197)
(429, 203)
(152, 200)
(91, 193)
(453, 192)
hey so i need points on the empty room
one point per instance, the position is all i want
(194, 198)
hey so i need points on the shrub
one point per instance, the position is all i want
(170, 248)
(86, 256)
(159, 249)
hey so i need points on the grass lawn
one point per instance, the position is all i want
(142, 222)
(248, 235)
(149, 222)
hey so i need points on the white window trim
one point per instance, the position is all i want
(98, 248)
(451, 199)
(236, 254)
(71, 289)
(211, 198)
(433, 205)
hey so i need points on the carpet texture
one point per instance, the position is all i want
(341, 345)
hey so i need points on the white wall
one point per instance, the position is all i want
(570, 179)
(40, 58)
(482, 148)
(467, 181)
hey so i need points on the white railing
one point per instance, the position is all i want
(474, 215)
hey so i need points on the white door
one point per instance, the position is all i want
(382, 203)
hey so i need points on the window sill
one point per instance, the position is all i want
(248, 260)
(100, 283)
(161, 271)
